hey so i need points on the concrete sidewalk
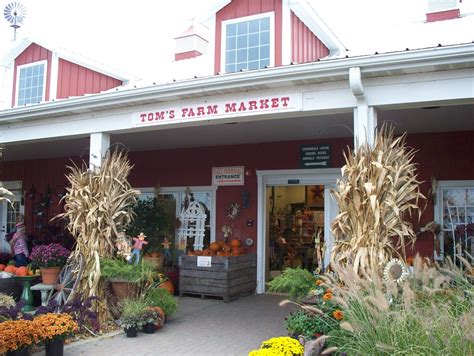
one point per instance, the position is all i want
(201, 327)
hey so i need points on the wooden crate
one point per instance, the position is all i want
(228, 277)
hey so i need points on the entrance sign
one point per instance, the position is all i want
(222, 107)
(204, 261)
(228, 175)
(315, 156)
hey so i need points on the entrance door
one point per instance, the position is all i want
(321, 180)
(9, 214)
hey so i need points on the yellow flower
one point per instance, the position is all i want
(338, 314)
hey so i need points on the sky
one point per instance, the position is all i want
(137, 36)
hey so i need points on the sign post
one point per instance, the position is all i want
(315, 156)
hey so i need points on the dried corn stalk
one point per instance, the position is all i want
(378, 188)
(97, 207)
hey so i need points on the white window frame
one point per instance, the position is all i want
(18, 69)
(438, 208)
(208, 189)
(224, 24)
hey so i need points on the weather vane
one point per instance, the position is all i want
(15, 13)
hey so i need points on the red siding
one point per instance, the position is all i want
(188, 167)
(305, 46)
(242, 8)
(75, 80)
(443, 15)
(186, 55)
(33, 53)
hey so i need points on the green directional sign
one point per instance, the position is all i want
(315, 156)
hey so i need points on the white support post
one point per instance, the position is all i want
(99, 144)
(365, 116)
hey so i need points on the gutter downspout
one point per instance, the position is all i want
(365, 117)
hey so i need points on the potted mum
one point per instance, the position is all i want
(17, 336)
(54, 329)
(49, 259)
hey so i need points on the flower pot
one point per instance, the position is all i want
(131, 332)
(149, 328)
(50, 275)
(155, 261)
(54, 348)
(24, 351)
(123, 290)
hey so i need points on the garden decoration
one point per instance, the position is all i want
(227, 230)
(18, 245)
(233, 211)
(49, 259)
(166, 249)
(137, 248)
(379, 187)
(395, 271)
(97, 207)
(69, 278)
(193, 220)
(123, 246)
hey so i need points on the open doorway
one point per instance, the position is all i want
(295, 229)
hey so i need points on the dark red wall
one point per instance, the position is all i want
(33, 53)
(75, 80)
(242, 8)
(305, 46)
(446, 156)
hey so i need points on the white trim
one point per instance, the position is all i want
(53, 83)
(205, 188)
(286, 33)
(326, 177)
(45, 75)
(271, 15)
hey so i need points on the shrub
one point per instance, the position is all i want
(120, 270)
(133, 312)
(295, 281)
(160, 297)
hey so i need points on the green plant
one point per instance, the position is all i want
(150, 218)
(117, 269)
(295, 281)
(160, 297)
(134, 312)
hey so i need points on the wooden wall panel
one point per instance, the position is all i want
(305, 46)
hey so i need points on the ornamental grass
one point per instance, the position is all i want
(16, 334)
(54, 326)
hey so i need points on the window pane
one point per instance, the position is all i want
(35, 70)
(253, 54)
(22, 72)
(265, 38)
(231, 41)
(254, 26)
(253, 65)
(264, 52)
(265, 24)
(242, 28)
(253, 40)
(230, 57)
(242, 55)
(241, 66)
(264, 63)
(29, 71)
(230, 68)
(231, 30)
(41, 70)
(242, 42)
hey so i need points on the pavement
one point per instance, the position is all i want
(200, 327)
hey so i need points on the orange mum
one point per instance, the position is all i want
(319, 282)
(55, 326)
(338, 314)
(15, 334)
(327, 296)
(329, 291)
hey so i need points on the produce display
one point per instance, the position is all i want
(221, 248)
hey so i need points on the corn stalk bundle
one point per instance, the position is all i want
(97, 207)
(379, 187)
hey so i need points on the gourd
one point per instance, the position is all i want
(10, 269)
(2, 267)
(214, 246)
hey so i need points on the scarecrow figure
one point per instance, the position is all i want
(19, 246)
(137, 248)
(166, 249)
(123, 246)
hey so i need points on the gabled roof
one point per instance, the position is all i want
(20, 45)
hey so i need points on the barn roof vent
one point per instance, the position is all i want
(439, 10)
(192, 42)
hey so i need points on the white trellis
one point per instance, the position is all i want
(193, 220)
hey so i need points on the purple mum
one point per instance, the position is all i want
(51, 255)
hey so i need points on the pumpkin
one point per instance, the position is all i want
(10, 269)
(191, 253)
(235, 243)
(2, 267)
(168, 285)
(226, 248)
(21, 272)
(197, 253)
(206, 252)
(162, 316)
(214, 247)
(235, 251)
(225, 254)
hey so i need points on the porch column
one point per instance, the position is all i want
(99, 144)
(365, 116)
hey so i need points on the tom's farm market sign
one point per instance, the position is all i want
(221, 108)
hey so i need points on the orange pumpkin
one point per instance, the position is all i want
(235, 243)
(225, 254)
(197, 253)
(214, 247)
(2, 267)
(221, 243)
(168, 285)
(21, 271)
(10, 269)
(206, 252)
(226, 248)
(235, 251)
(191, 253)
